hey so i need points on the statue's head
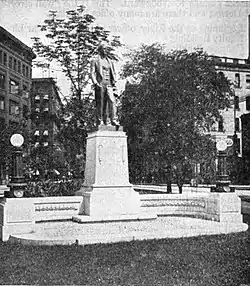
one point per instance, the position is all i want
(103, 49)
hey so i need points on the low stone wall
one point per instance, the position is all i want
(221, 207)
(19, 215)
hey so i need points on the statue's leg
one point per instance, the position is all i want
(99, 98)
(105, 106)
(112, 107)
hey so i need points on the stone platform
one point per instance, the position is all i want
(70, 233)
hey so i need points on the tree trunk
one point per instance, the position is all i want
(169, 187)
(180, 189)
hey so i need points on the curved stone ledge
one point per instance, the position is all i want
(19, 215)
(221, 207)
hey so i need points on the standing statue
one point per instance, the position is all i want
(104, 79)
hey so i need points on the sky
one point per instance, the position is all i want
(219, 27)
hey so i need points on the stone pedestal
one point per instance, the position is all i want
(107, 192)
(16, 216)
(225, 207)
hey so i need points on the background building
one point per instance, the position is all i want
(15, 83)
(238, 71)
(15, 78)
(233, 123)
(230, 125)
(46, 106)
(245, 121)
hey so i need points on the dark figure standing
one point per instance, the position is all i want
(104, 79)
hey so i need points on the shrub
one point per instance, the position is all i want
(48, 188)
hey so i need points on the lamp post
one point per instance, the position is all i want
(222, 180)
(235, 139)
(17, 183)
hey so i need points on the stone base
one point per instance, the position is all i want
(101, 202)
(107, 192)
(16, 216)
(109, 128)
(21, 228)
(226, 207)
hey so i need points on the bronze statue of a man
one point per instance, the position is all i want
(104, 79)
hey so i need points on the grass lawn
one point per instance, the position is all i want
(205, 260)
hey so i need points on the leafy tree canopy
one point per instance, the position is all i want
(170, 101)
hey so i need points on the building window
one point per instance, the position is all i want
(15, 65)
(220, 125)
(248, 103)
(1, 57)
(237, 124)
(19, 67)
(5, 59)
(25, 111)
(2, 81)
(221, 75)
(238, 145)
(37, 109)
(248, 81)
(13, 86)
(25, 91)
(10, 62)
(26, 71)
(236, 102)
(14, 108)
(23, 69)
(37, 97)
(2, 106)
(237, 80)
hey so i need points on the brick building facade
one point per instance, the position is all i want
(46, 105)
(15, 83)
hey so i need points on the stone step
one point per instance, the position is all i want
(113, 218)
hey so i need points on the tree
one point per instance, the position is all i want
(168, 107)
(79, 118)
(73, 42)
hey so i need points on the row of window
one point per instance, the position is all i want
(14, 108)
(41, 138)
(14, 86)
(236, 124)
(38, 110)
(45, 144)
(15, 64)
(44, 133)
(38, 97)
(41, 106)
(237, 83)
(237, 102)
